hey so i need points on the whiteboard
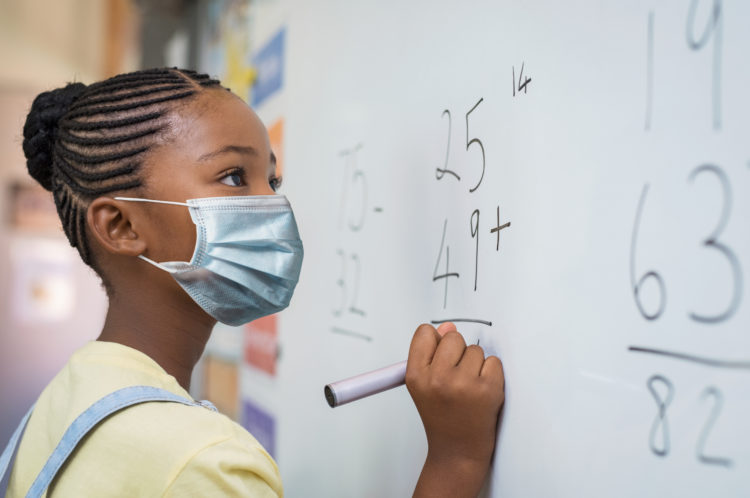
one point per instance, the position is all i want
(612, 136)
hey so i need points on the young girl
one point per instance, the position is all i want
(164, 182)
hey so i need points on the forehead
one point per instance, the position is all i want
(213, 119)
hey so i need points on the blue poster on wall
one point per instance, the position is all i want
(260, 424)
(269, 62)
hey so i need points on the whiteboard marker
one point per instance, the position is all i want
(366, 384)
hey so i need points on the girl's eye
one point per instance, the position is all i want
(275, 182)
(233, 178)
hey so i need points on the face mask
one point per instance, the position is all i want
(247, 258)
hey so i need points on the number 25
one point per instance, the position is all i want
(440, 172)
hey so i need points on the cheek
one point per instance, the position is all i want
(175, 236)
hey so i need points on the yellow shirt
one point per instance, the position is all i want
(150, 449)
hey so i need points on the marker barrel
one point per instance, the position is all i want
(366, 384)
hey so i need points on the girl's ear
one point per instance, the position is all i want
(112, 225)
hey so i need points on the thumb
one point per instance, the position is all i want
(446, 327)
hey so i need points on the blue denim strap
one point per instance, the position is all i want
(86, 421)
(9, 454)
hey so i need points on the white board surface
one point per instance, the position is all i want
(618, 294)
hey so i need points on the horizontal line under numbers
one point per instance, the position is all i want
(351, 333)
(701, 360)
(469, 320)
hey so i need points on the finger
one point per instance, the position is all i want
(423, 346)
(493, 370)
(446, 327)
(472, 360)
(449, 350)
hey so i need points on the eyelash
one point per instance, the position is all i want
(274, 181)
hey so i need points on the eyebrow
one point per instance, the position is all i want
(239, 149)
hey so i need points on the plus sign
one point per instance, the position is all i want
(498, 228)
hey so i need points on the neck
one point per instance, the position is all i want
(172, 334)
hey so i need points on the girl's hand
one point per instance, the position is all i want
(458, 394)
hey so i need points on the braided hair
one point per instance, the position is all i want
(82, 142)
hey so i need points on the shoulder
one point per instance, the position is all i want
(179, 449)
(182, 429)
(227, 468)
(210, 454)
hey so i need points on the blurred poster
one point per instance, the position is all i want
(43, 287)
(227, 45)
(260, 424)
(261, 344)
(33, 209)
(221, 384)
(269, 62)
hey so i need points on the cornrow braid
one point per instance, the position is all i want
(131, 104)
(127, 85)
(116, 98)
(115, 123)
(82, 142)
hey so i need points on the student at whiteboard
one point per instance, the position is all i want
(135, 163)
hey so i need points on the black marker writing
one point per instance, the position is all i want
(712, 242)
(636, 286)
(497, 229)
(713, 27)
(661, 424)
(715, 411)
(649, 69)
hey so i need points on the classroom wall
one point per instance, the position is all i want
(50, 302)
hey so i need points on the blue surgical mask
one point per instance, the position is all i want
(247, 258)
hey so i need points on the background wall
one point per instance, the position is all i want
(50, 303)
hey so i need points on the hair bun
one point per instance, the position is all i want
(40, 130)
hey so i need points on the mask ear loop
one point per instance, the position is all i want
(158, 265)
(139, 199)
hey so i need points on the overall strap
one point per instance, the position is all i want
(9, 454)
(86, 421)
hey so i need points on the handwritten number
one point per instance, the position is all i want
(660, 425)
(357, 177)
(341, 283)
(649, 70)
(713, 27)
(352, 210)
(475, 141)
(440, 172)
(447, 274)
(715, 411)
(522, 83)
(660, 446)
(474, 225)
(353, 307)
(638, 285)
(712, 242)
(345, 187)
